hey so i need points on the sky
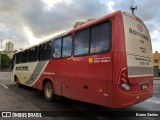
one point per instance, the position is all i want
(28, 22)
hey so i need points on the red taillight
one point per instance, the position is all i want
(123, 80)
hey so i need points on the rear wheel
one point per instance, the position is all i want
(48, 91)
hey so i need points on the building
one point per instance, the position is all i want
(9, 49)
(156, 57)
(9, 46)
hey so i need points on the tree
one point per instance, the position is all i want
(5, 59)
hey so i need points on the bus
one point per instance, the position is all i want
(107, 61)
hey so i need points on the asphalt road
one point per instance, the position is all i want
(13, 98)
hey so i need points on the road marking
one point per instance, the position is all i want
(4, 86)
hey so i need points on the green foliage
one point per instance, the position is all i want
(5, 60)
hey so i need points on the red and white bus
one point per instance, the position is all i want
(106, 62)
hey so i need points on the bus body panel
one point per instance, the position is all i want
(138, 63)
(90, 78)
(119, 52)
(128, 98)
(78, 78)
(82, 76)
(138, 52)
(29, 73)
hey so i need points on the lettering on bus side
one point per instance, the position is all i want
(143, 61)
(134, 32)
(99, 60)
(22, 68)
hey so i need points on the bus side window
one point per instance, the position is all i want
(43, 51)
(33, 54)
(100, 38)
(67, 46)
(14, 58)
(81, 43)
(49, 49)
(12, 62)
(18, 58)
(24, 56)
(57, 48)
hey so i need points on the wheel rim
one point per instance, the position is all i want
(48, 91)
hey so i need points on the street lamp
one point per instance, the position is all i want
(1, 52)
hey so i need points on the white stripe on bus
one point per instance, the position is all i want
(39, 74)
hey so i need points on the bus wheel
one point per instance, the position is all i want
(48, 91)
(16, 80)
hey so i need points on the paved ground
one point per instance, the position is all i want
(13, 98)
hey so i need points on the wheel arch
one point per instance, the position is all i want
(15, 76)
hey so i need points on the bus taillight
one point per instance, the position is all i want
(123, 80)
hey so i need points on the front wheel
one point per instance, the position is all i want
(48, 91)
(17, 83)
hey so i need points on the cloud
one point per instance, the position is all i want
(28, 22)
(110, 5)
(61, 16)
(26, 19)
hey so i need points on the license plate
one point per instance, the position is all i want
(143, 87)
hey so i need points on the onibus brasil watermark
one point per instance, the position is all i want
(22, 114)
(38, 114)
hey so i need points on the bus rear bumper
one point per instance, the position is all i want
(130, 99)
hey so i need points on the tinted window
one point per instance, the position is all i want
(24, 56)
(67, 46)
(57, 48)
(33, 54)
(81, 44)
(49, 49)
(14, 58)
(43, 51)
(12, 62)
(18, 58)
(100, 38)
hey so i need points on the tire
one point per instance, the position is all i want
(17, 84)
(48, 91)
